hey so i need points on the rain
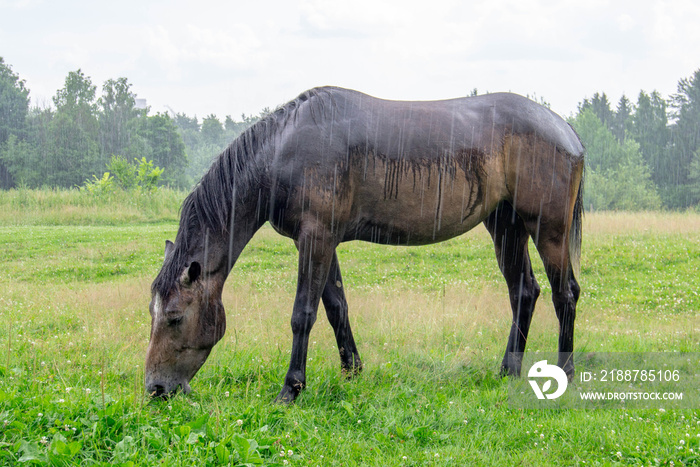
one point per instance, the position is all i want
(215, 138)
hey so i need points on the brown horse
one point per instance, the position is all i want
(336, 165)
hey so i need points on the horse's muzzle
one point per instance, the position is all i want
(160, 390)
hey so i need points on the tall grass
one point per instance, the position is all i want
(666, 222)
(74, 207)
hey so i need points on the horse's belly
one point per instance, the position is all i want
(415, 220)
(409, 202)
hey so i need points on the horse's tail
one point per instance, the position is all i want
(576, 228)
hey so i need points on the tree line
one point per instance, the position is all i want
(77, 137)
(206, 139)
(643, 155)
(640, 155)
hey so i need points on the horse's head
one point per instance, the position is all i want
(187, 319)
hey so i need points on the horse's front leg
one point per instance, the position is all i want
(316, 252)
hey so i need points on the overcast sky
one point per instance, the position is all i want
(234, 57)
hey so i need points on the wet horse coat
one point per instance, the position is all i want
(336, 165)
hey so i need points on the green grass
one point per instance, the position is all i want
(430, 322)
(72, 207)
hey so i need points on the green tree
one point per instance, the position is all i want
(186, 123)
(14, 105)
(229, 123)
(685, 140)
(66, 145)
(18, 163)
(31, 160)
(73, 149)
(206, 142)
(130, 132)
(618, 177)
(649, 127)
(117, 112)
(163, 145)
(14, 102)
(694, 176)
(212, 131)
(600, 106)
(622, 118)
(77, 93)
(200, 157)
(189, 130)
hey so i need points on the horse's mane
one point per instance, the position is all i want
(207, 209)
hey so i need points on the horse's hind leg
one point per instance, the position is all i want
(337, 311)
(552, 215)
(551, 241)
(545, 184)
(510, 240)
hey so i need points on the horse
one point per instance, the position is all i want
(335, 165)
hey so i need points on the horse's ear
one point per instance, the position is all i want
(191, 274)
(168, 248)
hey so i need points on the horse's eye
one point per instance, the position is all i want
(174, 321)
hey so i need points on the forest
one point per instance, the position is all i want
(641, 155)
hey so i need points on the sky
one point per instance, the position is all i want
(229, 58)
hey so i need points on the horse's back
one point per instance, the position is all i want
(407, 172)
(409, 130)
(521, 115)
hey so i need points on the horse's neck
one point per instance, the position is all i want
(243, 227)
(249, 203)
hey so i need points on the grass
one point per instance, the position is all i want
(72, 207)
(430, 322)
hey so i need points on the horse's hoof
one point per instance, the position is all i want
(511, 371)
(570, 372)
(287, 396)
(351, 371)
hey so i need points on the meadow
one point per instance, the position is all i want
(431, 324)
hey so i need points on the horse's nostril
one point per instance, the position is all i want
(158, 390)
